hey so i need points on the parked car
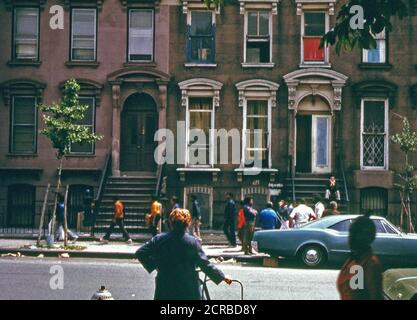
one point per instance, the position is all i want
(400, 284)
(326, 240)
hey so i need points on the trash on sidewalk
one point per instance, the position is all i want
(270, 262)
(18, 254)
(40, 256)
(64, 255)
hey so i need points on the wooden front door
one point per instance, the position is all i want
(139, 124)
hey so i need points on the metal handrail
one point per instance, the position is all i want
(342, 168)
(103, 180)
(160, 172)
(292, 171)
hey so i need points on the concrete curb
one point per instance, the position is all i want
(111, 255)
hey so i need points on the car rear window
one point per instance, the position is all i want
(342, 226)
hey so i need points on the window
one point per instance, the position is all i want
(374, 134)
(375, 201)
(141, 35)
(378, 54)
(314, 27)
(199, 136)
(88, 121)
(256, 127)
(258, 37)
(379, 226)
(83, 35)
(342, 226)
(23, 125)
(26, 34)
(201, 37)
(21, 205)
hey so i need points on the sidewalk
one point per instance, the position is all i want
(112, 250)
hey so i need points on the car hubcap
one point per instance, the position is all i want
(312, 257)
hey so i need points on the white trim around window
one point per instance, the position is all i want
(384, 133)
(246, 63)
(141, 33)
(210, 143)
(83, 37)
(244, 131)
(326, 62)
(91, 102)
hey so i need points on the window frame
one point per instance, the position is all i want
(211, 132)
(14, 25)
(244, 130)
(246, 36)
(326, 61)
(93, 126)
(386, 141)
(364, 51)
(189, 59)
(12, 126)
(72, 34)
(128, 53)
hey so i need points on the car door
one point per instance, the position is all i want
(388, 244)
(338, 246)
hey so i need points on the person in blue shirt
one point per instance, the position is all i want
(268, 218)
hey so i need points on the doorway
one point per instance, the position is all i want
(313, 143)
(138, 127)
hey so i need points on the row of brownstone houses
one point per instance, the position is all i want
(251, 65)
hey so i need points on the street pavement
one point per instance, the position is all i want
(29, 278)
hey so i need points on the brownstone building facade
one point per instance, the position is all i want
(253, 66)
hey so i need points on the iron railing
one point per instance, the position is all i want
(292, 174)
(103, 180)
(28, 226)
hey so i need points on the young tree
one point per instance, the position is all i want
(62, 128)
(407, 141)
(359, 20)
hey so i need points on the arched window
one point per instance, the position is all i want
(21, 205)
(374, 200)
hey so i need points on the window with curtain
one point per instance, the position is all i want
(314, 29)
(375, 201)
(89, 122)
(141, 35)
(23, 125)
(256, 131)
(83, 35)
(378, 54)
(374, 133)
(26, 34)
(201, 37)
(258, 39)
(200, 117)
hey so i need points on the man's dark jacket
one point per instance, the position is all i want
(176, 256)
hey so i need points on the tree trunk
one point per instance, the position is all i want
(61, 161)
(45, 200)
(65, 217)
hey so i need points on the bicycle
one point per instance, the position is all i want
(205, 294)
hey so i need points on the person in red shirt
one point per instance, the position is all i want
(361, 275)
(118, 219)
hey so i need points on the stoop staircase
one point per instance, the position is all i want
(306, 185)
(135, 192)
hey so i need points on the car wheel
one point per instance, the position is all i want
(313, 256)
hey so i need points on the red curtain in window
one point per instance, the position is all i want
(312, 52)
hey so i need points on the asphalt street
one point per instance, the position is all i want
(30, 278)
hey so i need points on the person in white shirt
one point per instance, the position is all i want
(318, 207)
(301, 215)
